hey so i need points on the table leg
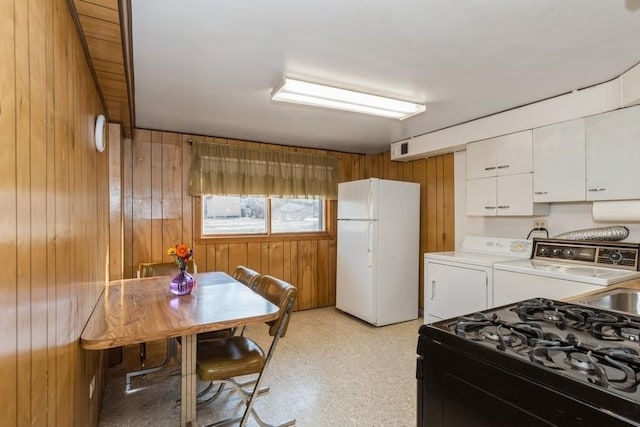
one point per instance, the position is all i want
(189, 381)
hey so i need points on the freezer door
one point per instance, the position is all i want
(356, 269)
(358, 199)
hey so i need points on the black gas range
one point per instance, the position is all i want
(536, 362)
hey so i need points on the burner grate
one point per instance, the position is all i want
(541, 333)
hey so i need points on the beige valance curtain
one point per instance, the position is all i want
(234, 170)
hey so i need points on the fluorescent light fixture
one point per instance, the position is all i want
(299, 92)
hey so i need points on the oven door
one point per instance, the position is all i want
(458, 388)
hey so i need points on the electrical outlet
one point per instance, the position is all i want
(541, 223)
(92, 386)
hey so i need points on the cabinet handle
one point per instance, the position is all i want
(433, 289)
(596, 189)
(503, 166)
(540, 192)
(489, 207)
(503, 206)
(490, 168)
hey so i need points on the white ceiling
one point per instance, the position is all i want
(208, 66)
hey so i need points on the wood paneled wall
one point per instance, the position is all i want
(158, 213)
(116, 201)
(54, 222)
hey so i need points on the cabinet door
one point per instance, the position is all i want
(481, 196)
(613, 155)
(514, 153)
(481, 159)
(452, 291)
(515, 194)
(559, 162)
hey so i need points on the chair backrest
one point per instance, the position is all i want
(247, 276)
(283, 295)
(150, 269)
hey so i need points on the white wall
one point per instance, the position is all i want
(562, 217)
(464, 225)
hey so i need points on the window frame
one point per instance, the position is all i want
(329, 233)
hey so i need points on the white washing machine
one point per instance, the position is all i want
(564, 268)
(461, 282)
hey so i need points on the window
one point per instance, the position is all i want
(240, 215)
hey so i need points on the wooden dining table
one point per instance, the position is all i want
(133, 311)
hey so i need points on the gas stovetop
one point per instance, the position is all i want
(595, 346)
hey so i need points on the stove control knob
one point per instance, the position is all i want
(568, 253)
(616, 257)
(556, 251)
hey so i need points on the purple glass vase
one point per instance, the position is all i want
(182, 284)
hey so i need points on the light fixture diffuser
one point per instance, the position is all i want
(299, 92)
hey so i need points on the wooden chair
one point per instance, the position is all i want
(223, 359)
(251, 279)
(247, 276)
(152, 269)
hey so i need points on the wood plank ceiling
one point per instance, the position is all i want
(105, 24)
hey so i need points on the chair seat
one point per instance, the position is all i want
(228, 357)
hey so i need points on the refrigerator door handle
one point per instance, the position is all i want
(369, 199)
(433, 289)
(370, 244)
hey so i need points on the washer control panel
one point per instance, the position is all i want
(605, 254)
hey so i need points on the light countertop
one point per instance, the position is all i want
(631, 284)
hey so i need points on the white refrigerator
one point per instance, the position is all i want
(378, 250)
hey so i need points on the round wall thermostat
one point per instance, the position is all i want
(101, 133)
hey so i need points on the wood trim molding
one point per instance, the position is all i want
(105, 33)
(124, 10)
(87, 54)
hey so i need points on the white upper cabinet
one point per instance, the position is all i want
(481, 159)
(499, 177)
(559, 162)
(481, 197)
(514, 196)
(504, 155)
(509, 195)
(613, 155)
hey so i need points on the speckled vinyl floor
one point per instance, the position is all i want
(330, 369)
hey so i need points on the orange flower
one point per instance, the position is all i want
(181, 253)
(182, 250)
